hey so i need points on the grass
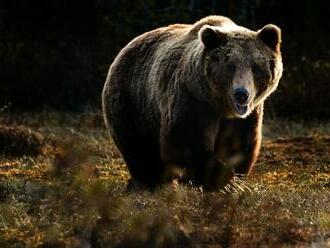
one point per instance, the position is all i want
(71, 192)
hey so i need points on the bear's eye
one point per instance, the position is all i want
(215, 57)
(231, 67)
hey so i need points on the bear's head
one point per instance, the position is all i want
(242, 67)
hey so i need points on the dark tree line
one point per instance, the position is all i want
(57, 53)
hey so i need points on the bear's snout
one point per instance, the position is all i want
(241, 96)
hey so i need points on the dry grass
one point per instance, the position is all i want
(73, 193)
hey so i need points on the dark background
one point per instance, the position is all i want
(55, 54)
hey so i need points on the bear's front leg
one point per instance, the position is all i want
(211, 173)
(192, 147)
(238, 142)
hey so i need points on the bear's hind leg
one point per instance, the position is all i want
(141, 154)
(144, 164)
(137, 144)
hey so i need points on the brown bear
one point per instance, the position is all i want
(191, 97)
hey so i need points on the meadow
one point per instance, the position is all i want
(63, 184)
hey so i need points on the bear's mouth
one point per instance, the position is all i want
(241, 109)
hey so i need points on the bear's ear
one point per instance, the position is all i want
(211, 37)
(271, 36)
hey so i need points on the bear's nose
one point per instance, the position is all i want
(241, 95)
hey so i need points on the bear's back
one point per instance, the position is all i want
(154, 38)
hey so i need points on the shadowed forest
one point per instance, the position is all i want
(63, 181)
(57, 53)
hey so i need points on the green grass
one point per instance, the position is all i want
(74, 193)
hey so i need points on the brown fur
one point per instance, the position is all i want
(168, 97)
